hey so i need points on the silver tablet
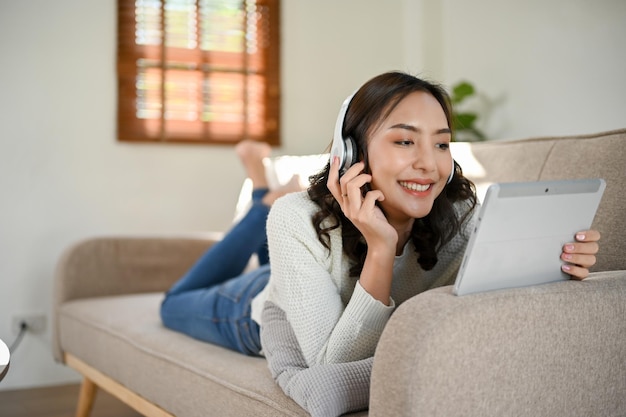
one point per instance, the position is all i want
(520, 232)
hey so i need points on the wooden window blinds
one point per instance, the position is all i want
(199, 71)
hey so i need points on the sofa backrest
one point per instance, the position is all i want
(601, 155)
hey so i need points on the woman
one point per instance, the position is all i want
(339, 277)
(345, 253)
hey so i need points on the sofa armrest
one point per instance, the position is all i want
(108, 266)
(557, 349)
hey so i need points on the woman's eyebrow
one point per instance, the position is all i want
(418, 129)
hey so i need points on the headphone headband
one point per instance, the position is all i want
(342, 117)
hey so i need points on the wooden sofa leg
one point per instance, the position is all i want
(95, 380)
(86, 398)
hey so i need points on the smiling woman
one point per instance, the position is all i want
(411, 152)
(198, 71)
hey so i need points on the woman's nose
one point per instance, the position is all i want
(424, 159)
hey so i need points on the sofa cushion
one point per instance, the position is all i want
(123, 337)
(501, 161)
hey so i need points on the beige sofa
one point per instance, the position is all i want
(551, 350)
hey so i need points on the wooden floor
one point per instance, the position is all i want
(58, 401)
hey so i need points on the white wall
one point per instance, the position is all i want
(330, 48)
(553, 67)
(63, 175)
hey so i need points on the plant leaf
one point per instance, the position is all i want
(462, 121)
(461, 91)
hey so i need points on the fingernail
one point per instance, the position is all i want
(567, 256)
(566, 268)
(580, 236)
(569, 247)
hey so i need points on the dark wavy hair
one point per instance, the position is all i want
(369, 107)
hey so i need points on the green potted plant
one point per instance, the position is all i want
(464, 122)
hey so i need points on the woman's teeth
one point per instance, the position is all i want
(414, 186)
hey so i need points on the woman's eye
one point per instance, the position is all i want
(405, 142)
(443, 146)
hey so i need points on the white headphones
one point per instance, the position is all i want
(451, 172)
(345, 148)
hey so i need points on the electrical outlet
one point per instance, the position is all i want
(36, 323)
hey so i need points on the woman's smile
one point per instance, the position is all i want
(415, 187)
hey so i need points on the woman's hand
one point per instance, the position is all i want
(581, 254)
(362, 210)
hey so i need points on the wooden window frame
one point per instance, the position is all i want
(241, 90)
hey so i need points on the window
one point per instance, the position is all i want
(199, 71)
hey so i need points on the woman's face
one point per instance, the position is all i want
(409, 157)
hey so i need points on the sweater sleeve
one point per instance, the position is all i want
(306, 284)
(323, 390)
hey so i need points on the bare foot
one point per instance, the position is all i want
(251, 153)
(293, 185)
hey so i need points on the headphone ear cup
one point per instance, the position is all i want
(351, 153)
(452, 172)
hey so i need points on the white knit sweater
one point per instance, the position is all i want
(334, 319)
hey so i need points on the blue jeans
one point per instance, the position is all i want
(211, 302)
